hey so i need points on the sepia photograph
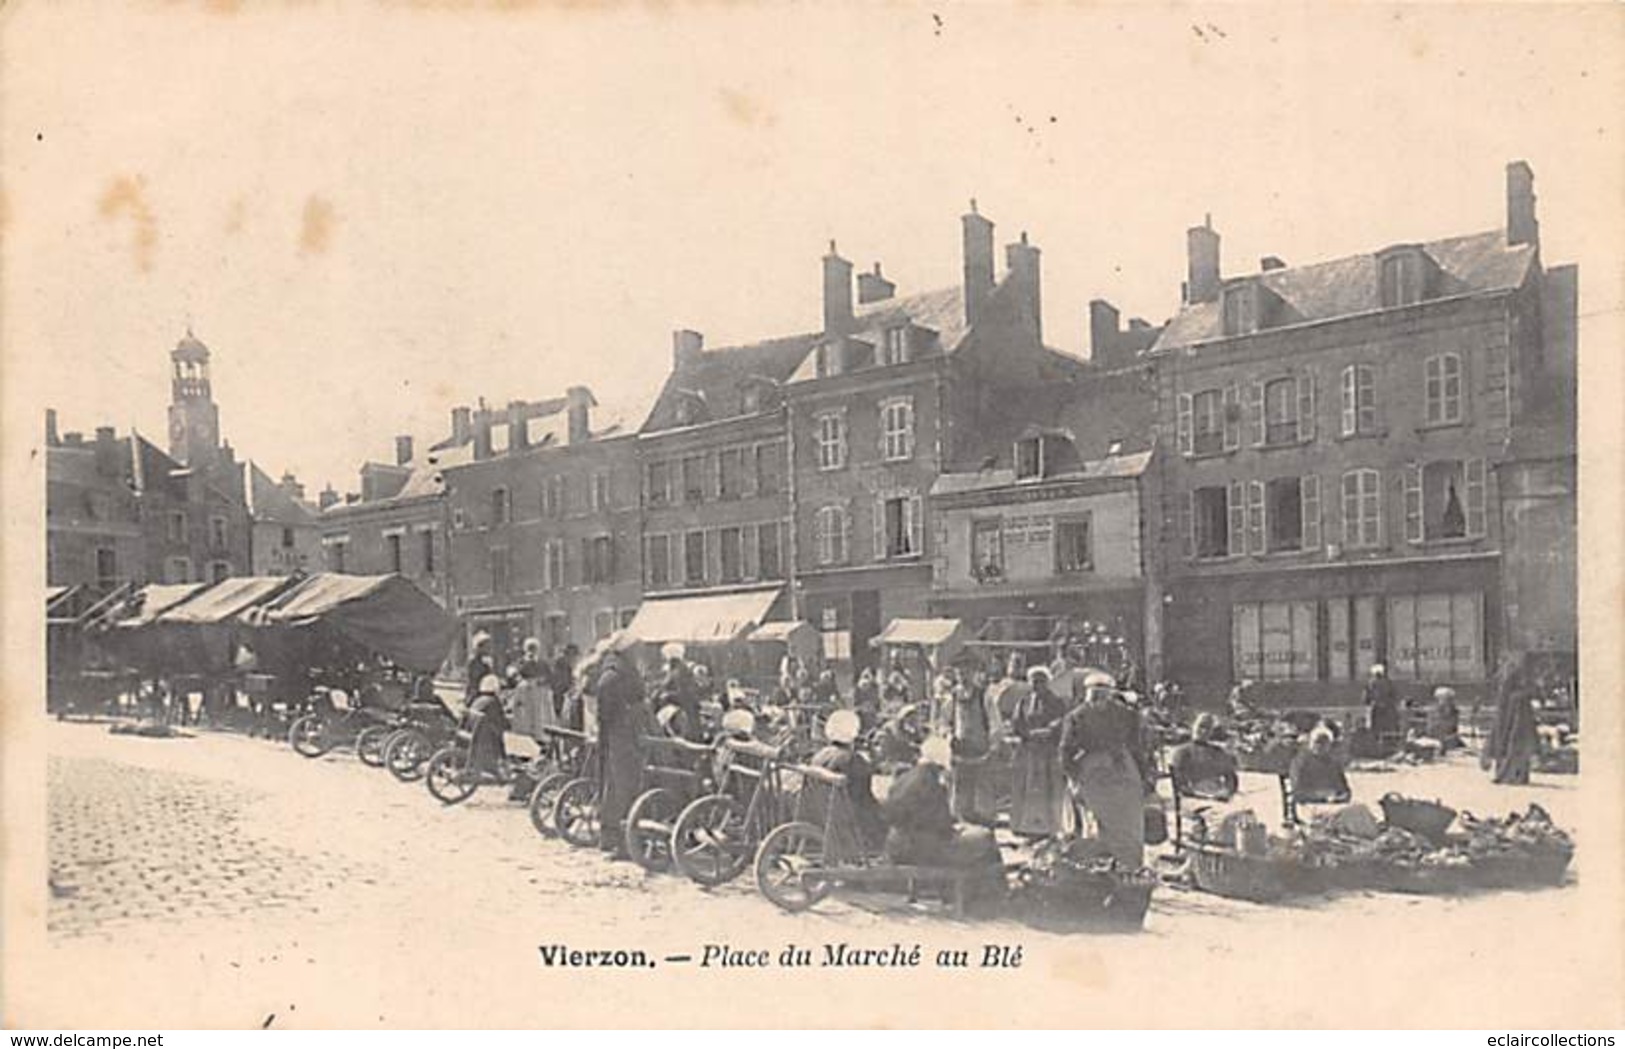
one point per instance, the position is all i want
(667, 515)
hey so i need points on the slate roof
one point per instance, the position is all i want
(1477, 262)
(941, 311)
(267, 500)
(718, 377)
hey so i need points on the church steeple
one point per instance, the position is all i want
(194, 419)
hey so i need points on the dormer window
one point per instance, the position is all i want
(894, 348)
(828, 359)
(690, 408)
(1403, 277)
(1240, 305)
(1029, 458)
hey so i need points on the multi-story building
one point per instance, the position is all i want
(716, 487)
(93, 524)
(283, 533)
(1335, 431)
(544, 533)
(894, 391)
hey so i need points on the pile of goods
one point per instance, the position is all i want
(1263, 744)
(1559, 750)
(1418, 847)
(1072, 884)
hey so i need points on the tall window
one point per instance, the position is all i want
(1436, 637)
(1442, 385)
(426, 537)
(1292, 510)
(1240, 309)
(657, 561)
(600, 490)
(335, 555)
(769, 564)
(499, 507)
(1210, 521)
(598, 559)
(693, 478)
(1359, 400)
(106, 566)
(987, 550)
(769, 468)
(392, 549)
(895, 348)
(219, 570)
(1074, 545)
(1444, 499)
(829, 435)
(694, 558)
(1362, 509)
(1281, 411)
(731, 554)
(500, 566)
(217, 532)
(177, 527)
(731, 473)
(658, 482)
(1029, 458)
(179, 569)
(832, 529)
(897, 429)
(900, 521)
(287, 538)
(1207, 422)
(553, 497)
(553, 564)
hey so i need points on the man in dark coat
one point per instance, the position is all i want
(1383, 699)
(679, 689)
(619, 691)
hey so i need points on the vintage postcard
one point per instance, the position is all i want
(778, 515)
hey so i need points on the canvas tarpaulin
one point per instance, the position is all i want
(387, 615)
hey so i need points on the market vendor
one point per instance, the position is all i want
(866, 699)
(488, 724)
(620, 695)
(840, 754)
(1039, 788)
(922, 825)
(1101, 752)
(1317, 775)
(1382, 699)
(1515, 739)
(1444, 719)
(1201, 768)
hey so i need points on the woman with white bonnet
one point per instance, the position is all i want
(840, 754)
(1101, 747)
(1038, 796)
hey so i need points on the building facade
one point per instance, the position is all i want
(284, 537)
(1332, 493)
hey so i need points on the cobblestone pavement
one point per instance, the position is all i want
(224, 881)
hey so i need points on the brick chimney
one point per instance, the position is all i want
(462, 425)
(578, 402)
(1026, 277)
(1202, 252)
(978, 239)
(686, 347)
(403, 449)
(1522, 225)
(873, 287)
(518, 426)
(1103, 329)
(52, 438)
(291, 486)
(327, 498)
(482, 433)
(837, 292)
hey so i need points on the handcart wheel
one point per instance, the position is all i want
(405, 754)
(448, 776)
(790, 866)
(575, 813)
(308, 735)
(709, 841)
(649, 828)
(369, 745)
(542, 800)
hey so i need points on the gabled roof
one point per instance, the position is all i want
(718, 376)
(1479, 262)
(941, 311)
(268, 501)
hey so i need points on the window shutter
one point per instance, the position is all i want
(1255, 517)
(880, 529)
(1306, 406)
(1255, 414)
(1187, 523)
(1475, 497)
(1351, 401)
(916, 524)
(748, 458)
(1309, 501)
(614, 559)
(1237, 522)
(841, 446)
(908, 430)
(1182, 425)
(747, 552)
(845, 521)
(821, 537)
(1351, 508)
(1413, 502)
(1232, 418)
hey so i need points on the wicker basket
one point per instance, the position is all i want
(1429, 819)
(1239, 876)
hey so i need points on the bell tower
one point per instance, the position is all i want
(194, 419)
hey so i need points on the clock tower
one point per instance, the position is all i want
(194, 419)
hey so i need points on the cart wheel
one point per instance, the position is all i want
(542, 800)
(709, 843)
(309, 737)
(575, 813)
(790, 866)
(649, 828)
(448, 776)
(369, 745)
(405, 754)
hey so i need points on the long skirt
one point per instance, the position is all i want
(1038, 795)
(975, 791)
(622, 766)
(1110, 789)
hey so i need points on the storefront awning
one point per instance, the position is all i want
(781, 631)
(226, 599)
(703, 618)
(927, 632)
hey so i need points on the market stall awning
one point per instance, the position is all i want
(702, 618)
(152, 601)
(388, 614)
(927, 632)
(226, 599)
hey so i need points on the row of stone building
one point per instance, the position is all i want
(1306, 470)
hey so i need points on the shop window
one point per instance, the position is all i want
(179, 569)
(987, 550)
(1074, 544)
(1436, 637)
(1352, 637)
(1274, 641)
(335, 556)
(603, 623)
(1210, 521)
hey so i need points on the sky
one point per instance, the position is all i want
(374, 212)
